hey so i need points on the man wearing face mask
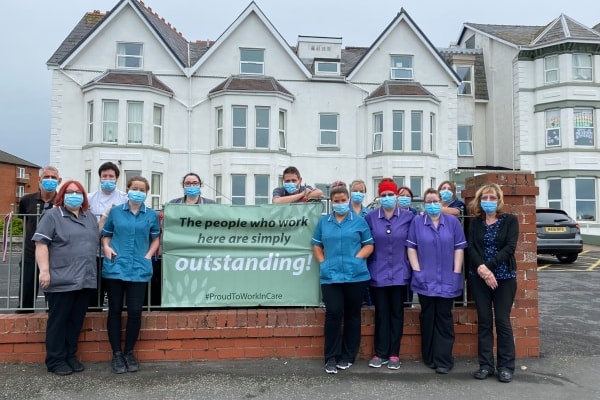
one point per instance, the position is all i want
(292, 190)
(101, 201)
(29, 206)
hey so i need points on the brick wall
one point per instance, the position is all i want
(292, 332)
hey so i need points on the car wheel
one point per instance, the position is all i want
(567, 258)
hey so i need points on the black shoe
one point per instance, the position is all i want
(118, 363)
(505, 376)
(430, 365)
(483, 373)
(131, 362)
(75, 365)
(442, 370)
(62, 370)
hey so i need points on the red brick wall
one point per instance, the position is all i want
(293, 332)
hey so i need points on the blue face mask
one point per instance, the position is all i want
(341, 208)
(489, 207)
(433, 209)
(446, 195)
(136, 196)
(192, 191)
(290, 187)
(73, 200)
(108, 185)
(404, 201)
(49, 184)
(357, 197)
(388, 202)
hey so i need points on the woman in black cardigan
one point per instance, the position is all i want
(492, 239)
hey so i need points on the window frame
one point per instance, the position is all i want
(550, 69)
(579, 200)
(135, 125)
(577, 69)
(583, 127)
(249, 62)
(218, 188)
(155, 190)
(90, 121)
(398, 135)
(125, 57)
(219, 127)
(329, 131)
(377, 132)
(552, 201)
(259, 132)
(239, 128)
(107, 124)
(318, 71)
(237, 199)
(282, 129)
(20, 191)
(414, 132)
(395, 68)
(259, 197)
(158, 126)
(466, 86)
(552, 128)
(465, 141)
(416, 181)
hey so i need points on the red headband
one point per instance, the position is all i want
(388, 186)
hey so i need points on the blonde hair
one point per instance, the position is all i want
(358, 182)
(475, 204)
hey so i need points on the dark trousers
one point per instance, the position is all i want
(29, 283)
(495, 304)
(343, 303)
(437, 331)
(133, 293)
(389, 319)
(66, 312)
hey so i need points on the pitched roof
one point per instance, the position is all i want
(515, 34)
(130, 78)
(242, 83)
(480, 78)
(400, 88)
(565, 28)
(7, 158)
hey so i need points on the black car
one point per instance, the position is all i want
(558, 235)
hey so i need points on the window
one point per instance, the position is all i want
(416, 130)
(416, 185)
(157, 122)
(261, 189)
(110, 122)
(238, 190)
(21, 173)
(553, 128)
(155, 189)
(551, 69)
(585, 199)
(465, 140)
(252, 61)
(402, 67)
(327, 67)
(20, 191)
(129, 55)
(135, 110)
(131, 173)
(432, 130)
(218, 189)
(219, 127)
(329, 129)
(397, 130)
(239, 126)
(262, 127)
(582, 67)
(398, 180)
(470, 44)
(555, 193)
(88, 180)
(583, 123)
(466, 80)
(377, 132)
(90, 110)
(282, 129)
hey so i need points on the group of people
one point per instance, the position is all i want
(393, 250)
(79, 237)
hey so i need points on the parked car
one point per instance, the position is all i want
(558, 235)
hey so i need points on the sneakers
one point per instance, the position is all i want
(131, 362)
(377, 362)
(343, 364)
(118, 363)
(62, 369)
(394, 363)
(330, 367)
(75, 365)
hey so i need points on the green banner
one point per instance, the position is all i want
(225, 256)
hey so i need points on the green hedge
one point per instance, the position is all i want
(16, 224)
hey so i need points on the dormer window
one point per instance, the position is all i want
(130, 55)
(466, 80)
(327, 67)
(402, 67)
(252, 61)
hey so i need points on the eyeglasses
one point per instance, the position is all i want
(432, 202)
(188, 184)
(73, 192)
(387, 195)
(388, 229)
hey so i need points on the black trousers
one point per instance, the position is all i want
(494, 305)
(29, 283)
(437, 331)
(389, 319)
(66, 312)
(133, 293)
(343, 303)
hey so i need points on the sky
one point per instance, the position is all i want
(31, 30)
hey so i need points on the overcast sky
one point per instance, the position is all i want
(31, 30)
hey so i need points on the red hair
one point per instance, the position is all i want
(60, 196)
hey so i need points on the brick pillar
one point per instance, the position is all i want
(519, 198)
